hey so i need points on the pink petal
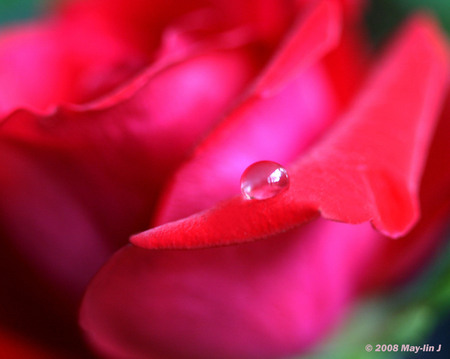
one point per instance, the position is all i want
(277, 127)
(79, 56)
(353, 9)
(393, 262)
(85, 179)
(265, 299)
(139, 23)
(142, 22)
(310, 39)
(349, 64)
(368, 168)
(45, 63)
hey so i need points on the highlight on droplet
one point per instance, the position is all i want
(264, 179)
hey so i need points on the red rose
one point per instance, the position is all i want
(119, 113)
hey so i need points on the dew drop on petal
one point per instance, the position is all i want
(264, 179)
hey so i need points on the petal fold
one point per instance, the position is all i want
(290, 105)
(315, 34)
(84, 179)
(368, 168)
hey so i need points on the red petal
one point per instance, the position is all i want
(395, 261)
(348, 64)
(15, 347)
(136, 22)
(142, 22)
(85, 179)
(266, 299)
(368, 168)
(45, 63)
(310, 39)
(276, 128)
(353, 9)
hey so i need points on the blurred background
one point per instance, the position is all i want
(418, 314)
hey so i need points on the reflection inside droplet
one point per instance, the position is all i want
(264, 179)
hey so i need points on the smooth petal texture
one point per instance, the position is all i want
(162, 297)
(142, 22)
(277, 128)
(84, 180)
(317, 32)
(45, 63)
(49, 62)
(78, 179)
(15, 347)
(33, 309)
(368, 168)
(139, 23)
(266, 299)
(349, 64)
(393, 262)
(353, 9)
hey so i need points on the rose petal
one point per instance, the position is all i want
(353, 9)
(137, 22)
(49, 62)
(310, 39)
(393, 262)
(349, 64)
(45, 63)
(205, 292)
(368, 168)
(15, 347)
(276, 128)
(76, 183)
(64, 167)
(142, 22)
(34, 310)
(265, 299)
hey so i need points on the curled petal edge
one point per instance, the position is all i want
(367, 168)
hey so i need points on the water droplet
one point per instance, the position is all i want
(264, 179)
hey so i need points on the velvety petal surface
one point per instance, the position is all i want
(353, 9)
(284, 112)
(266, 299)
(89, 131)
(368, 168)
(86, 50)
(348, 65)
(48, 62)
(393, 262)
(243, 301)
(142, 22)
(317, 32)
(85, 178)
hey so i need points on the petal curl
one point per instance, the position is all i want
(142, 22)
(63, 167)
(368, 168)
(49, 62)
(264, 300)
(317, 32)
(299, 105)
(393, 262)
